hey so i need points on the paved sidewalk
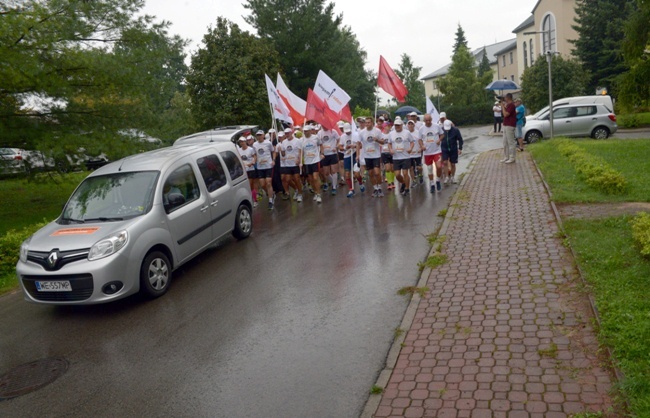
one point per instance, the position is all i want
(504, 330)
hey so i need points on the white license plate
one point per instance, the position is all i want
(54, 286)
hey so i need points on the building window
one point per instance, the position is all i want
(549, 34)
(512, 78)
(503, 60)
(525, 54)
(532, 56)
(511, 60)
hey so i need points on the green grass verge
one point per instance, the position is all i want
(633, 120)
(620, 281)
(28, 201)
(629, 157)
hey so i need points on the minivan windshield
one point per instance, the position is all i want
(112, 197)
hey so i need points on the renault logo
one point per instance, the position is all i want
(53, 258)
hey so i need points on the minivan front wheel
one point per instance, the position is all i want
(533, 136)
(155, 274)
(600, 132)
(243, 222)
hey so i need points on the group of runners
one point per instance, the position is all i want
(320, 160)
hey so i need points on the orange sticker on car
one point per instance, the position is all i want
(75, 231)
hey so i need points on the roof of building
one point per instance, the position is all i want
(512, 45)
(490, 50)
(525, 24)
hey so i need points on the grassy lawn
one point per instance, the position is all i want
(619, 278)
(630, 157)
(617, 274)
(26, 202)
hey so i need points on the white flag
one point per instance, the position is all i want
(280, 110)
(431, 109)
(335, 97)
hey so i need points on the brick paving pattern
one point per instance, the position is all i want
(504, 330)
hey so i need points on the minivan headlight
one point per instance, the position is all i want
(108, 246)
(24, 249)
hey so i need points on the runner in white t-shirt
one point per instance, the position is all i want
(312, 149)
(416, 155)
(430, 138)
(329, 164)
(247, 155)
(371, 142)
(401, 145)
(265, 162)
(291, 153)
(350, 147)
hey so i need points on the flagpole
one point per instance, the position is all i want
(376, 101)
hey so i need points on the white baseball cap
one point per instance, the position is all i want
(308, 127)
(347, 128)
(398, 122)
(287, 130)
(281, 134)
(271, 131)
(413, 114)
(341, 123)
(447, 125)
(260, 132)
(411, 122)
(443, 115)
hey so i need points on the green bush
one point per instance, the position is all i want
(629, 121)
(595, 171)
(641, 232)
(476, 114)
(10, 248)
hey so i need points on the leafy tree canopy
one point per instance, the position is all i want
(568, 77)
(600, 25)
(76, 73)
(226, 78)
(460, 85)
(634, 85)
(309, 37)
(410, 76)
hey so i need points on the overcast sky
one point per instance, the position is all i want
(423, 29)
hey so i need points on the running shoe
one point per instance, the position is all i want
(285, 196)
(333, 192)
(432, 189)
(374, 193)
(299, 198)
(438, 185)
(446, 180)
(421, 178)
(254, 205)
(509, 161)
(406, 192)
(362, 188)
(270, 205)
(380, 193)
(350, 193)
(325, 186)
(295, 195)
(402, 186)
(453, 180)
(318, 199)
(315, 197)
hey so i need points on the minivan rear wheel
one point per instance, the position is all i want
(600, 132)
(243, 222)
(155, 274)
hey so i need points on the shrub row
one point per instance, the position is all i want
(595, 171)
(476, 114)
(641, 232)
(10, 246)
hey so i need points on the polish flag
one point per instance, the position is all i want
(390, 82)
(295, 104)
(280, 109)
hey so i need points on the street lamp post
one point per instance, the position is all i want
(549, 59)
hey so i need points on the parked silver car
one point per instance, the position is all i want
(12, 160)
(129, 224)
(577, 120)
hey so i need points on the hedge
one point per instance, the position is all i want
(641, 232)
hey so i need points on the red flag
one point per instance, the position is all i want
(318, 110)
(345, 114)
(390, 82)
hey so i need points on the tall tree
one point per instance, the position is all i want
(460, 85)
(568, 76)
(76, 73)
(309, 37)
(226, 78)
(485, 74)
(460, 39)
(410, 76)
(634, 85)
(600, 25)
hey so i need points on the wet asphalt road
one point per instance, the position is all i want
(295, 321)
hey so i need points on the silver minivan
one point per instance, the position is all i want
(129, 224)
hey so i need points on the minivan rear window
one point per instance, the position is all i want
(233, 163)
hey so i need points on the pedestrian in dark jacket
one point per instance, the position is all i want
(452, 147)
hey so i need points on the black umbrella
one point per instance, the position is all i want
(502, 85)
(404, 110)
(382, 112)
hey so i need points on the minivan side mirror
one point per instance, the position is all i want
(173, 201)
